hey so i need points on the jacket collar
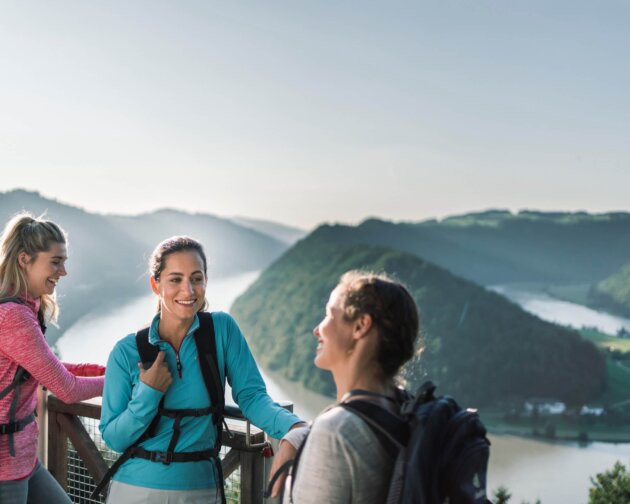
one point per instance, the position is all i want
(154, 334)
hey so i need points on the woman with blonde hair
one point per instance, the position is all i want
(32, 261)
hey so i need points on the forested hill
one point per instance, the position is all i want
(108, 254)
(613, 293)
(480, 347)
(498, 247)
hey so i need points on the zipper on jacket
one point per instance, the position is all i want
(179, 363)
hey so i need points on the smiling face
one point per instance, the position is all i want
(43, 271)
(334, 334)
(181, 285)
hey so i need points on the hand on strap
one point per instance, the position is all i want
(158, 375)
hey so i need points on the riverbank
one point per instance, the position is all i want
(557, 428)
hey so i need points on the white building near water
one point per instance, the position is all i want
(591, 411)
(545, 407)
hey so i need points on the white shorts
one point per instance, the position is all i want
(122, 493)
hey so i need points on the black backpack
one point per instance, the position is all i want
(20, 377)
(441, 450)
(206, 348)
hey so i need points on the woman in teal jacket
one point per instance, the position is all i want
(132, 393)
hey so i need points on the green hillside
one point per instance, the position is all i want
(613, 293)
(480, 347)
(498, 247)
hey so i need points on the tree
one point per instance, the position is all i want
(502, 495)
(611, 487)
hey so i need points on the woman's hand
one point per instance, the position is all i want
(287, 450)
(158, 375)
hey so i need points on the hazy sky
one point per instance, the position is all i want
(304, 112)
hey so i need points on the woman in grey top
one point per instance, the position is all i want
(368, 333)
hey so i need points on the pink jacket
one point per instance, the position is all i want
(22, 343)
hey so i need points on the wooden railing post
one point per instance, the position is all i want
(252, 473)
(57, 448)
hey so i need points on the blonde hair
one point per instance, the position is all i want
(29, 234)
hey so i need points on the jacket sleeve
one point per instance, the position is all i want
(21, 340)
(129, 405)
(248, 388)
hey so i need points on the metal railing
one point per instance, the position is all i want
(77, 456)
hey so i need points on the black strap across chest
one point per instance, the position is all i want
(20, 377)
(205, 342)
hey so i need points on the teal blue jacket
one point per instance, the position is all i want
(129, 405)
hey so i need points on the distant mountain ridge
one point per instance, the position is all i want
(282, 232)
(479, 346)
(498, 247)
(230, 248)
(109, 253)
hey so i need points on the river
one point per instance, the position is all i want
(555, 473)
(562, 312)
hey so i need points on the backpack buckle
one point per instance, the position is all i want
(165, 457)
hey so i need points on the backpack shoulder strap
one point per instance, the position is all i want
(391, 430)
(21, 375)
(283, 469)
(148, 352)
(207, 349)
(205, 339)
(12, 299)
(17, 379)
(290, 465)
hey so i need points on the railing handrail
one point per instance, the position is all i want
(93, 410)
